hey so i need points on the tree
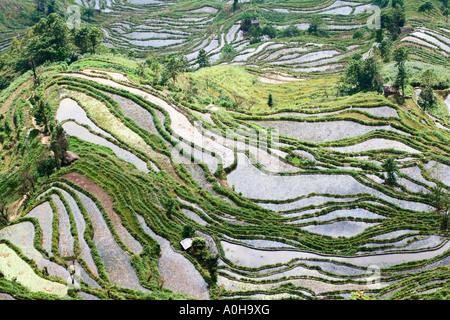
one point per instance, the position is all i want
(51, 7)
(53, 37)
(445, 3)
(427, 96)
(427, 6)
(445, 12)
(316, 27)
(87, 38)
(40, 5)
(428, 78)
(357, 34)
(293, 31)
(269, 31)
(379, 35)
(228, 52)
(41, 112)
(155, 67)
(188, 231)
(170, 208)
(381, 3)
(30, 58)
(212, 263)
(400, 55)
(370, 75)
(392, 19)
(45, 166)
(385, 49)
(141, 68)
(363, 75)
(202, 59)
(198, 247)
(396, 3)
(255, 33)
(246, 21)
(352, 74)
(440, 198)
(81, 39)
(270, 100)
(4, 214)
(28, 181)
(47, 40)
(444, 221)
(390, 166)
(59, 145)
(89, 13)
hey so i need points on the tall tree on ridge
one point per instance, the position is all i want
(202, 59)
(400, 56)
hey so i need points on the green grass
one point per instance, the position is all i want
(222, 83)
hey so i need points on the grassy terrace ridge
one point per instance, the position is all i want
(292, 181)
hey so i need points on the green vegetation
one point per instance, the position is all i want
(49, 40)
(258, 130)
(362, 75)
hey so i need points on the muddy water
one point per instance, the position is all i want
(254, 258)
(344, 229)
(373, 144)
(44, 214)
(321, 131)
(81, 227)
(74, 129)
(253, 183)
(116, 260)
(22, 235)
(177, 272)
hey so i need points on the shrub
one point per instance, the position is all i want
(390, 167)
(188, 231)
(357, 34)
(427, 6)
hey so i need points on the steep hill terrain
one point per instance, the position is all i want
(211, 150)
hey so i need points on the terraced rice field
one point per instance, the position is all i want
(290, 201)
(321, 231)
(190, 30)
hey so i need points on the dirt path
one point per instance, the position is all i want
(17, 205)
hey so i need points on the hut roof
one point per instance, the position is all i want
(186, 243)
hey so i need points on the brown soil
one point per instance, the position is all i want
(99, 193)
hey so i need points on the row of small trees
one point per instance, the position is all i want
(49, 40)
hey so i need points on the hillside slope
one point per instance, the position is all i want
(282, 179)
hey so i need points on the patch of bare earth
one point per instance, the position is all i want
(100, 194)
